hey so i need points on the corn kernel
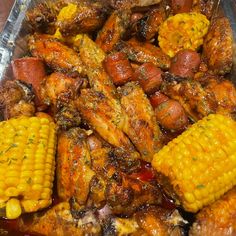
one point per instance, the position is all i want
(13, 208)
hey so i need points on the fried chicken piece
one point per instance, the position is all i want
(148, 25)
(43, 16)
(73, 158)
(140, 125)
(56, 55)
(159, 221)
(98, 112)
(125, 195)
(218, 46)
(60, 91)
(81, 17)
(113, 30)
(196, 101)
(127, 4)
(92, 57)
(59, 221)
(225, 95)
(217, 219)
(91, 54)
(58, 86)
(16, 99)
(144, 52)
(204, 7)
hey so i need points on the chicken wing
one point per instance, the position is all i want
(140, 125)
(148, 25)
(218, 46)
(55, 54)
(196, 101)
(127, 4)
(98, 112)
(217, 219)
(60, 91)
(204, 7)
(159, 221)
(225, 94)
(81, 17)
(58, 86)
(113, 30)
(59, 221)
(92, 57)
(73, 158)
(16, 99)
(124, 195)
(144, 52)
(42, 17)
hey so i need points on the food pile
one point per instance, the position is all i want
(120, 120)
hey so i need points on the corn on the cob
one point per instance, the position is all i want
(182, 31)
(27, 150)
(217, 219)
(200, 164)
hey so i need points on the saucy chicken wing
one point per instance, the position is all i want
(144, 52)
(73, 158)
(101, 116)
(55, 54)
(16, 99)
(196, 101)
(127, 4)
(113, 30)
(59, 221)
(140, 125)
(92, 57)
(59, 91)
(218, 46)
(148, 25)
(225, 95)
(81, 17)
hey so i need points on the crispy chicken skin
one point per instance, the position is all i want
(57, 221)
(218, 219)
(148, 25)
(92, 57)
(91, 54)
(60, 221)
(144, 52)
(43, 16)
(125, 195)
(58, 86)
(225, 94)
(59, 91)
(16, 99)
(56, 55)
(196, 101)
(140, 125)
(159, 221)
(127, 4)
(97, 111)
(88, 17)
(74, 172)
(204, 7)
(218, 46)
(113, 30)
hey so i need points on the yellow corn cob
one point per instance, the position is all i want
(200, 164)
(27, 150)
(182, 31)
